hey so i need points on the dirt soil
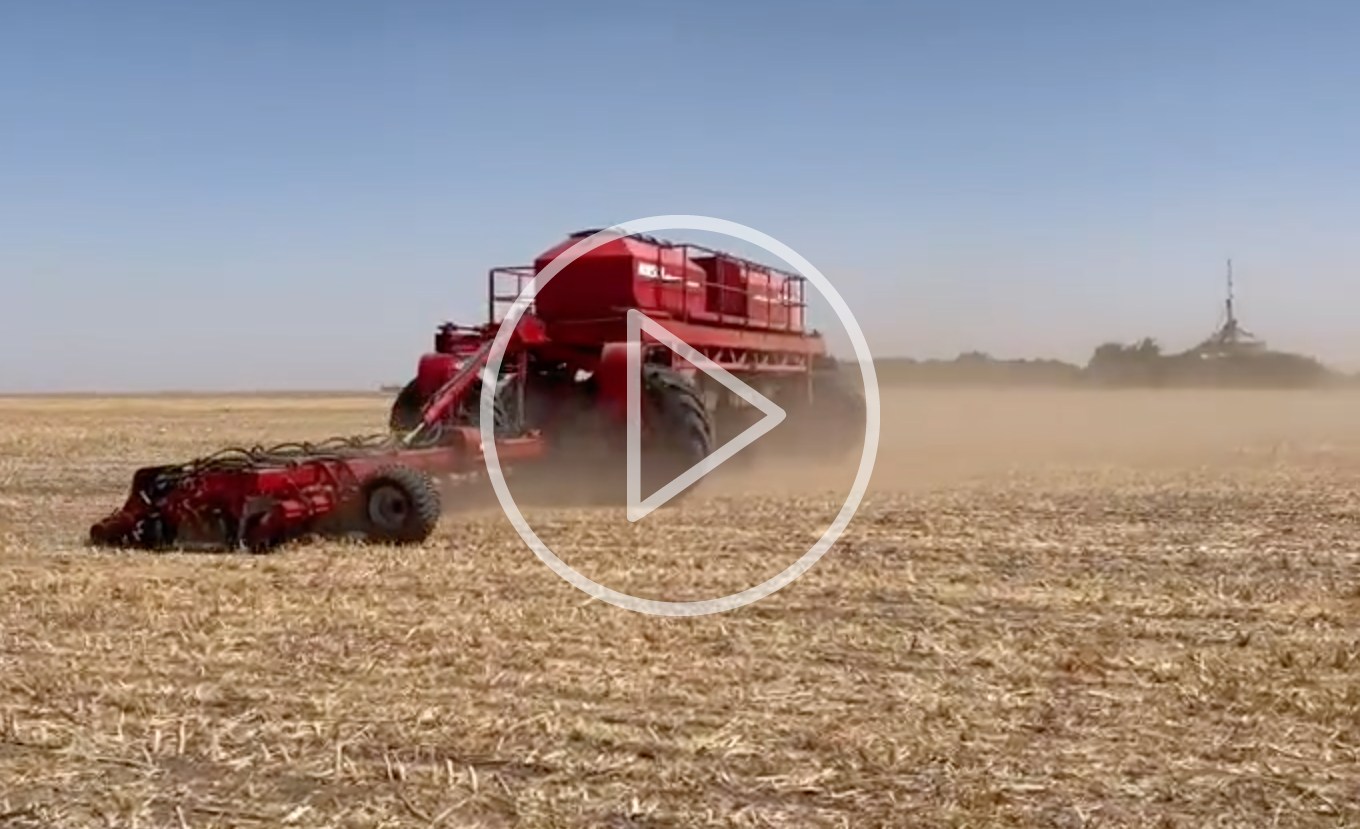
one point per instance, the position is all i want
(1053, 609)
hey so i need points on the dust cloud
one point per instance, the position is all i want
(934, 437)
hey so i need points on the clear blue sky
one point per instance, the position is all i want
(271, 194)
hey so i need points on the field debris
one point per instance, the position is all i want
(1144, 617)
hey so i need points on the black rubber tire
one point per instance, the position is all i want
(680, 430)
(405, 414)
(586, 461)
(398, 505)
(408, 405)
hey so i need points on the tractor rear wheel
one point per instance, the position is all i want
(409, 404)
(398, 505)
(678, 427)
(405, 414)
(587, 462)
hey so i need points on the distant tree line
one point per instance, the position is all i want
(976, 368)
(1144, 364)
(1139, 364)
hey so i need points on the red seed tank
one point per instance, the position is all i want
(654, 277)
(664, 279)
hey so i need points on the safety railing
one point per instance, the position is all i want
(505, 286)
(791, 295)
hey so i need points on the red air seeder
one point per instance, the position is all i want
(559, 405)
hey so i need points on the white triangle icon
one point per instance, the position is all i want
(638, 323)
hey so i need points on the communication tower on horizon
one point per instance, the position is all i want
(1230, 338)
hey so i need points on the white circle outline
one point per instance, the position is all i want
(654, 607)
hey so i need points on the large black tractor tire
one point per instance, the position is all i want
(406, 409)
(679, 429)
(408, 405)
(398, 505)
(587, 459)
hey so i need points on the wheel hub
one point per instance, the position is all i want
(388, 507)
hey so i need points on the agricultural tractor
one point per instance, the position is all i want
(560, 404)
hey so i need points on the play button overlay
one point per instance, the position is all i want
(638, 325)
(638, 507)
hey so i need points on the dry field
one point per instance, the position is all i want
(1054, 609)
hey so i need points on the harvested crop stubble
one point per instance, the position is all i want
(1071, 609)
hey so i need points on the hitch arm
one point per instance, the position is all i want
(450, 394)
